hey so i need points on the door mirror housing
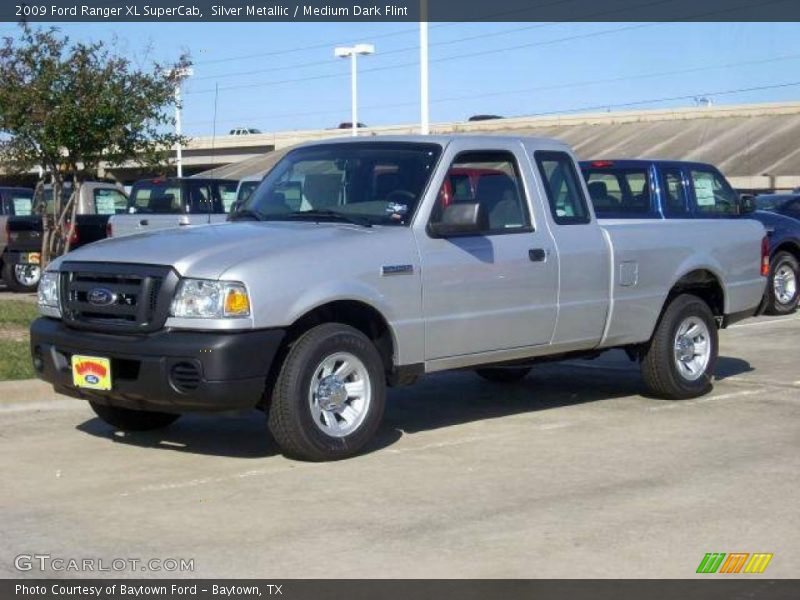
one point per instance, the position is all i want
(747, 204)
(464, 218)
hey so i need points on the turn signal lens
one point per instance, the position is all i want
(237, 303)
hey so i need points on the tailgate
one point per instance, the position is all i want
(122, 225)
(24, 234)
(90, 228)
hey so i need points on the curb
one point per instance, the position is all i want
(26, 390)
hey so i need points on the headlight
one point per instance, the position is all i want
(48, 290)
(206, 299)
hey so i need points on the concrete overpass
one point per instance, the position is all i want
(757, 146)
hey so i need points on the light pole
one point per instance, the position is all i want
(424, 116)
(182, 74)
(352, 52)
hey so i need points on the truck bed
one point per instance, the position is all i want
(645, 257)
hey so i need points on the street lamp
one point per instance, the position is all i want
(181, 74)
(351, 52)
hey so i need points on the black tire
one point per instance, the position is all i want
(660, 365)
(782, 260)
(503, 374)
(132, 420)
(13, 284)
(290, 415)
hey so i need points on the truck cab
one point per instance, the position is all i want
(174, 202)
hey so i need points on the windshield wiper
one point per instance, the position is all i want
(316, 215)
(245, 215)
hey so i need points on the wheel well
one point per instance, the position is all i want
(789, 247)
(703, 284)
(357, 314)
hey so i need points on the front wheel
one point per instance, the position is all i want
(679, 361)
(782, 292)
(329, 396)
(132, 420)
(22, 277)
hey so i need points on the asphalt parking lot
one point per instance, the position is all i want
(571, 473)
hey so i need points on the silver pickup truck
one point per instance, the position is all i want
(357, 264)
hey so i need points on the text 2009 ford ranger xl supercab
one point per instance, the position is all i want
(361, 263)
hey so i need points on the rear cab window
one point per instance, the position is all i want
(157, 197)
(18, 203)
(713, 196)
(563, 187)
(109, 201)
(619, 192)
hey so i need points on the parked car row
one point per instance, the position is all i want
(619, 189)
(105, 210)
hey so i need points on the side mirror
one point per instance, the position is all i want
(747, 204)
(464, 218)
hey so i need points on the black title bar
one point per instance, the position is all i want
(400, 10)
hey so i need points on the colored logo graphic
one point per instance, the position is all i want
(735, 562)
(92, 373)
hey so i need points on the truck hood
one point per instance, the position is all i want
(207, 251)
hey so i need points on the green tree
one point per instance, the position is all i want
(67, 107)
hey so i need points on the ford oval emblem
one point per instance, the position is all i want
(101, 297)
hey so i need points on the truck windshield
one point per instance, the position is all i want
(379, 183)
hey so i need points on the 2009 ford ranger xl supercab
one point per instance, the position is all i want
(357, 264)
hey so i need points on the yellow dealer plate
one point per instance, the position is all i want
(91, 372)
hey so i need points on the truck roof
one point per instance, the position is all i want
(443, 140)
(637, 163)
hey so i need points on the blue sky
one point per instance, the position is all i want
(275, 76)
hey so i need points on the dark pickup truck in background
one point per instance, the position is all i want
(667, 189)
(13, 201)
(22, 256)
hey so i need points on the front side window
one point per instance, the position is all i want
(109, 201)
(374, 183)
(490, 179)
(158, 197)
(712, 194)
(561, 183)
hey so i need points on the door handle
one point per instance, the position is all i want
(537, 254)
(144, 222)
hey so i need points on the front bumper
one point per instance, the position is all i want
(168, 370)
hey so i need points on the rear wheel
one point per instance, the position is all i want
(782, 292)
(127, 419)
(679, 361)
(22, 277)
(329, 396)
(503, 374)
